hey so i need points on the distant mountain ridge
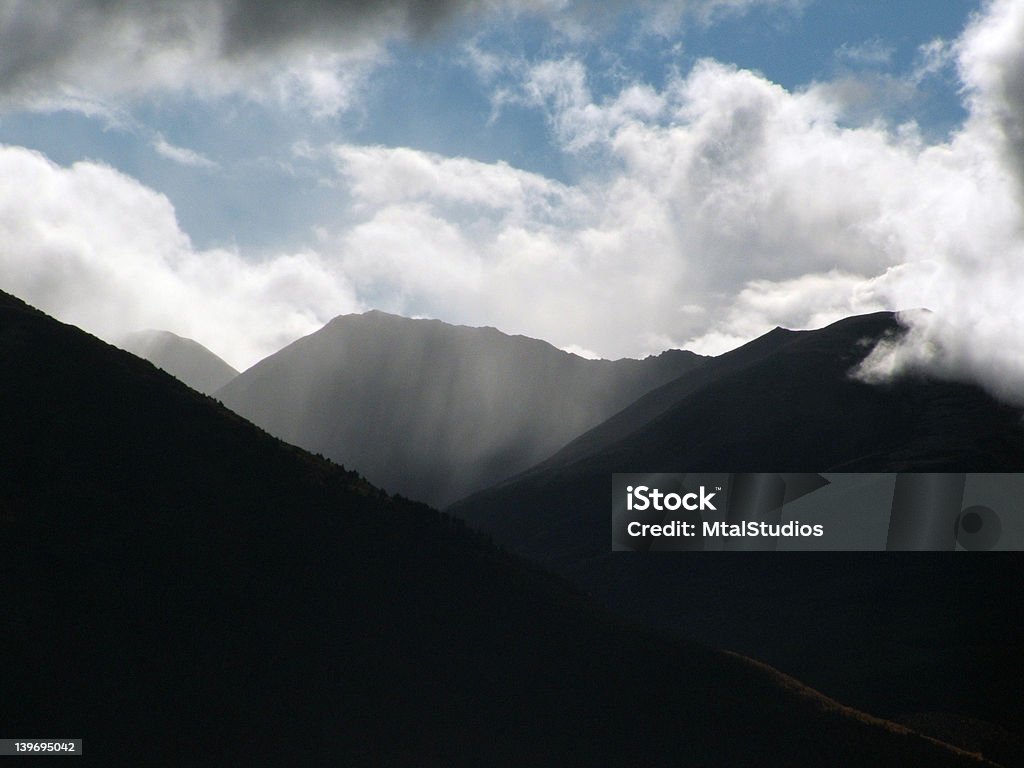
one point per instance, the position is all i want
(435, 411)
(661, 399)
(183, 358)
(784, 402)
(179, 587)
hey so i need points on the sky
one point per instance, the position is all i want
(615, 178)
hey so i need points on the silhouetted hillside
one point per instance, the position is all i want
(183, 358)
(435, 411)
(179, 588)
(895, 632)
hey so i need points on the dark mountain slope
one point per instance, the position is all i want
(180, 588)
(660, 399)
(435, 411)
(851, 623)
(183, 358)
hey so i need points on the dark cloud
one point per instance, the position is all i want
(98, 47)
(254, 25)
(42, 42)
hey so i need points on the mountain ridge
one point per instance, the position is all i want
(431, 410)
(179, 583)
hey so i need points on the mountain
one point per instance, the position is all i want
(851, 623)
(784, 402)
(180, 588)
(183, 358)
(435, 411)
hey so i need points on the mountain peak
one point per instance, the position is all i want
(184, 358)
(432, 410)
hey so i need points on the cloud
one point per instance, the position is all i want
(932, 57)
(102, 251)
(707, 211)
(813, 300)
(560, 87)
(715, 209)
(874, 52)
(991, 63)
(182, 155)
(312, 54)
(973, 283)
(718, 207)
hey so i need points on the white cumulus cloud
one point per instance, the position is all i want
(100, 250)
